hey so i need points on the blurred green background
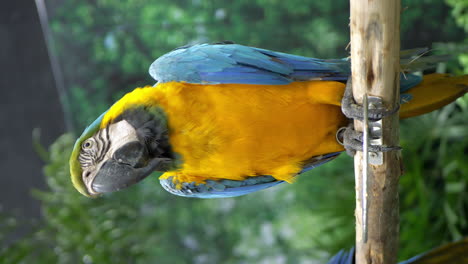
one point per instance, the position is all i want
(104, 49)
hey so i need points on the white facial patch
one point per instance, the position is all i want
(120, 134)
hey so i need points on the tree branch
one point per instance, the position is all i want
(375, 46)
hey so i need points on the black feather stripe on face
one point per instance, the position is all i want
(150, 124)
(95, 154)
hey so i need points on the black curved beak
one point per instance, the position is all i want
(129, 165)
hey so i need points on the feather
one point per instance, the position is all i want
(232, 188)
(217, 64)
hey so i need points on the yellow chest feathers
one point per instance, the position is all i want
(231, 131)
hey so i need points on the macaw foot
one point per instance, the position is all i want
(352, 110)
(352, 141)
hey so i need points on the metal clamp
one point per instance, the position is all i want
(374, 131)
(372, 135)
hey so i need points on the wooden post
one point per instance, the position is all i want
(375, 47)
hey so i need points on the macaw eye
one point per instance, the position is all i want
(87, 144)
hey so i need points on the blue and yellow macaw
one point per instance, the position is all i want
(451, 253)
(225, 120)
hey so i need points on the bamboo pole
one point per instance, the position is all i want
(375, 47)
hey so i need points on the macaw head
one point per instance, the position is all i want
(120, 148)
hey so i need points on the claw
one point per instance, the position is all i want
(352, 110)
(352, 141)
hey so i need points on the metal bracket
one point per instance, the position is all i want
(372, 135)
(375, 131)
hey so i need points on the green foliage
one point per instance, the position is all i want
(434, 200)
(460, 12)
(424, 22)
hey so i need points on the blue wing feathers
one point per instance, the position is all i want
(343, 257)
(236, 191)
(233, 63)
(408, 81)
(231, 188)
(191, 64)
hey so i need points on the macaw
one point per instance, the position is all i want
(452, 253)
(225, 120)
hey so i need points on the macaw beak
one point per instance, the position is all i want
(128, 165)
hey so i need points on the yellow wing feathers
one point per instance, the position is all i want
(455, 252)
(435, 91)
